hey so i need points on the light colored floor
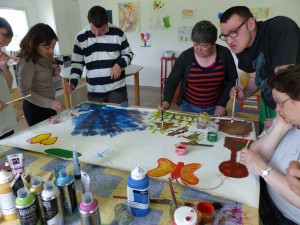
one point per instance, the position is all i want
(149, 97)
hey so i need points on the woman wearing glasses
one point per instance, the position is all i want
(271, 155)
(206, 72)
(262, 48)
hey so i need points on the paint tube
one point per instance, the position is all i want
(16, 162)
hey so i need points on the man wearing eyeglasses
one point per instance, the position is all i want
(262, 48)
(105, 52)
(8, 118)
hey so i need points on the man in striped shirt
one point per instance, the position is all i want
(105, 52)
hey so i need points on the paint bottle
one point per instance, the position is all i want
(185, 215)
(76, 165)
(7, 198)
(89, 210)
(52, 204)
(27, 208)
(36, 187)
(138, 192)
(65, 183)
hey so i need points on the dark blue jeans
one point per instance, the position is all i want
(187, 107)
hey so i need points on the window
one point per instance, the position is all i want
(18, 21)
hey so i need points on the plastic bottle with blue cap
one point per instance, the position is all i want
(138, 192)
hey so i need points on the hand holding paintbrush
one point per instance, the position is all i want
(248, 142)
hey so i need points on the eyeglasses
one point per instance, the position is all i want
(232, 33)
(281, 104)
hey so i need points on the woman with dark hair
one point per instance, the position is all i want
(36, 70)
(206, 71)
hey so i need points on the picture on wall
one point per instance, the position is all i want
(145, 39)
(128, 16)
(161, 19)
(109, 14)
(188, 14)
(184, 33)
(261, 13)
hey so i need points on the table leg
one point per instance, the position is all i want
(137, 88)
(66, 94)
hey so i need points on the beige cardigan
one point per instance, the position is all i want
(8, 118)
(37, 80)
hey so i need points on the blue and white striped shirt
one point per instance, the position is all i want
(99, 54)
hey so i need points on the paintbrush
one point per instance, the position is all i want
(71, 105)
(233, 104)
(157, 200)
(18, 99)
(162, 112)
(248, 143)
(172, 194)
(205, 145)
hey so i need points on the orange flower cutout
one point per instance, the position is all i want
(179, 171)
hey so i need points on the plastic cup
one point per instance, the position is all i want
(203, 120)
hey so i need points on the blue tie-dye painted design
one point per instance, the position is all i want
(261, 76)
(107, 120)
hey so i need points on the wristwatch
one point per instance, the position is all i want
(265, 172)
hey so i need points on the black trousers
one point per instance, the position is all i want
(117, 97)
(35, 114)
(268, 212)
(7, 134)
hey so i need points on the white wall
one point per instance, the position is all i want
(162, 40)
(149, 58)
